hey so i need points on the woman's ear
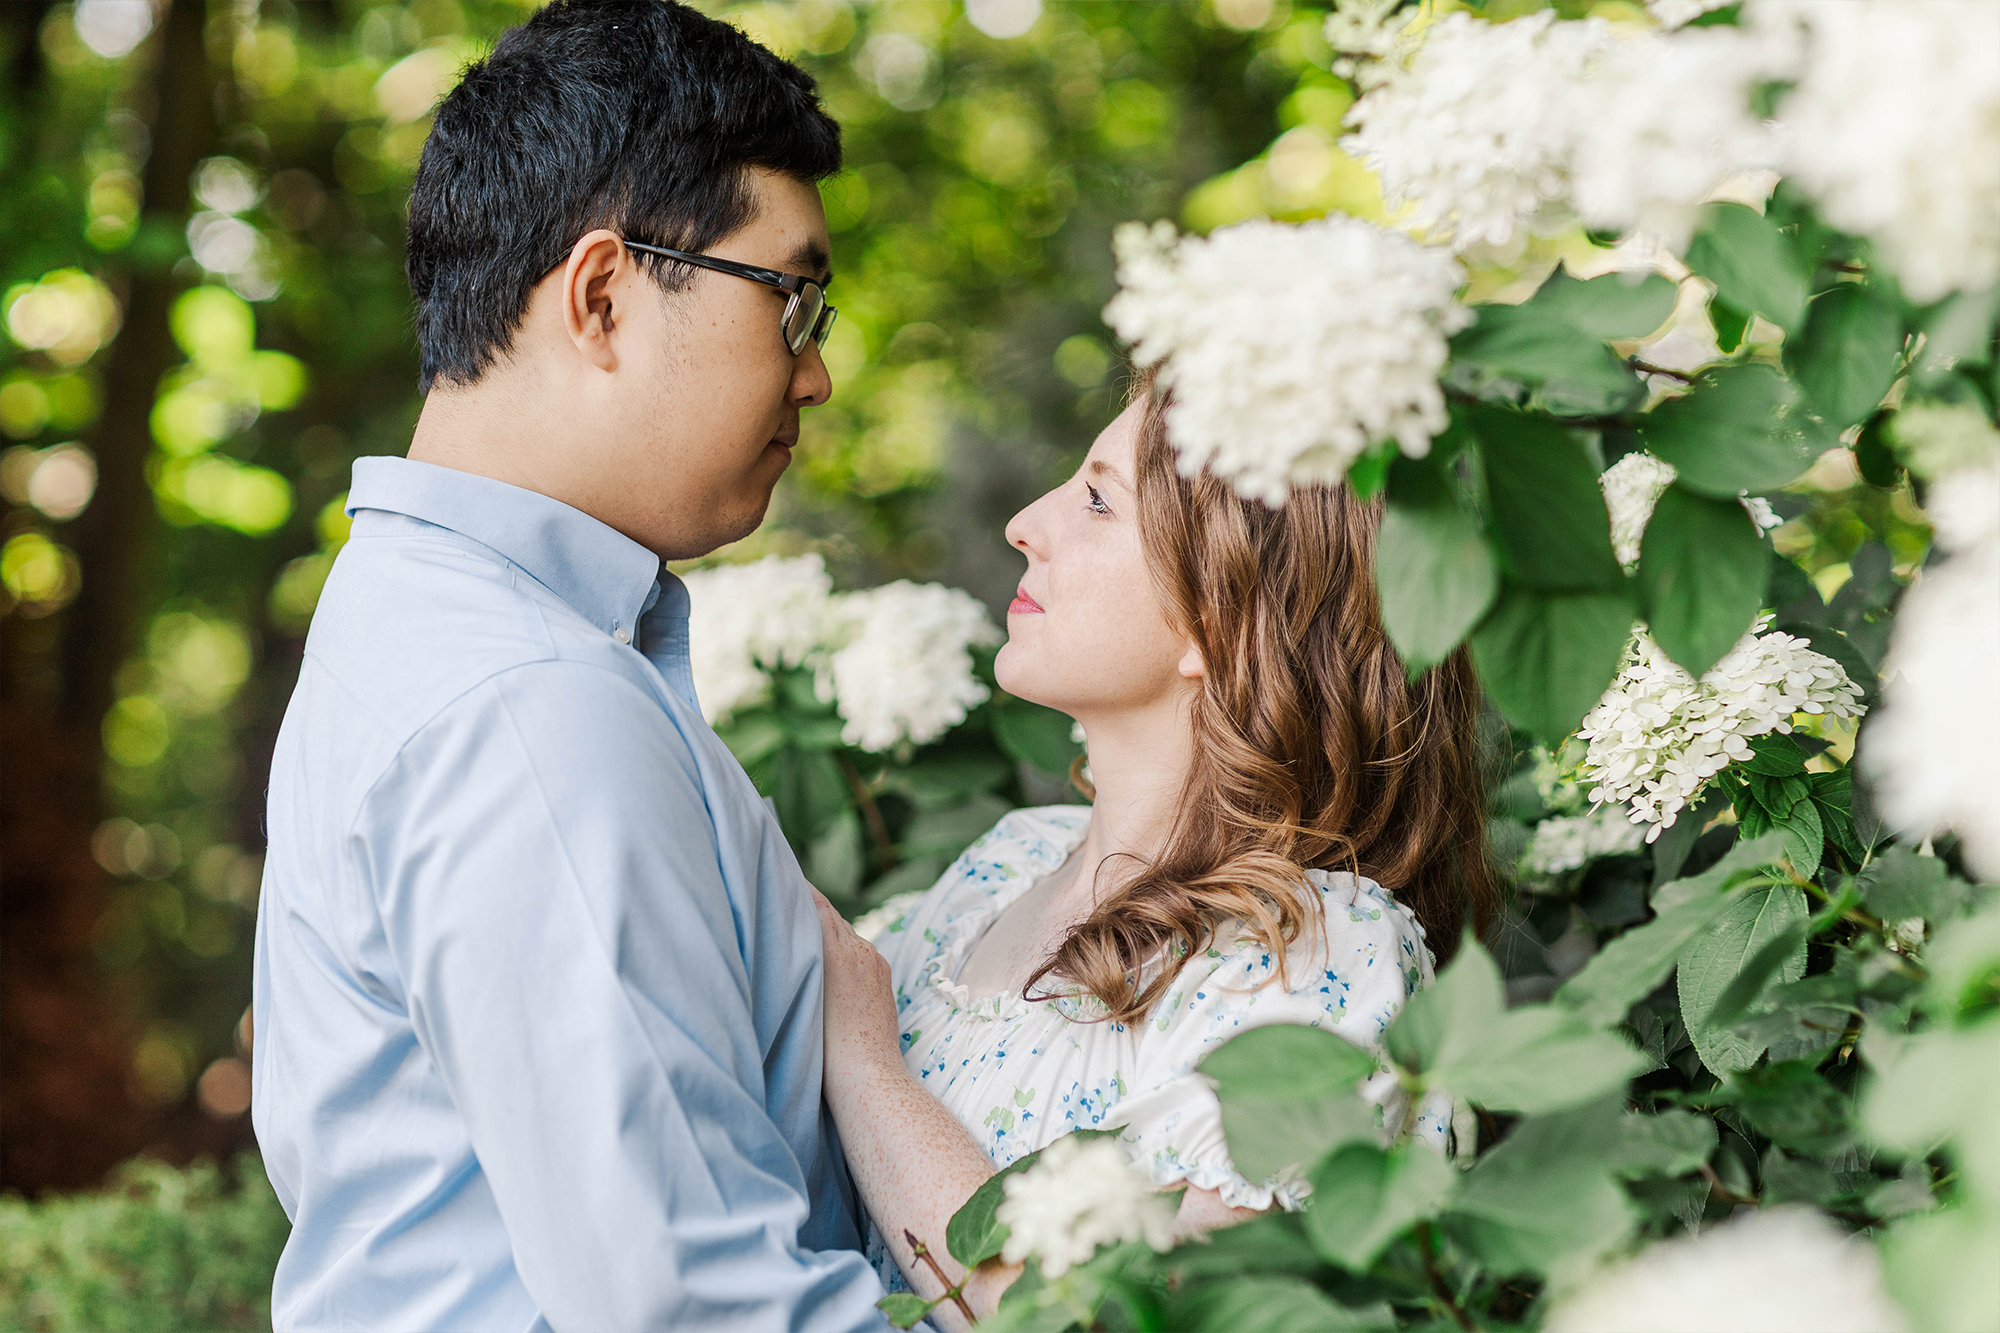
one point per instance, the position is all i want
(1191, 665)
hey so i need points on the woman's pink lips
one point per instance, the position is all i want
(1023, 605)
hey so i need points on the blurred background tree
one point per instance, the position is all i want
(205, 321)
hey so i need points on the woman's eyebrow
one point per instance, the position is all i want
(1100, 468)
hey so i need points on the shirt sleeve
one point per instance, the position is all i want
(573, 959)
(1352, 983)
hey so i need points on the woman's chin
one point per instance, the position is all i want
(1014, 670)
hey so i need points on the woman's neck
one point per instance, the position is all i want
(1139, 764)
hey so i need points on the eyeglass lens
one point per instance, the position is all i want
(809, 317)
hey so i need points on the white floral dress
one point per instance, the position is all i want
(1019, 1075)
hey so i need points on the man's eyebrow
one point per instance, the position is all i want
(811, 259)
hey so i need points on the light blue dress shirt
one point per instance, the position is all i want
(538, 988)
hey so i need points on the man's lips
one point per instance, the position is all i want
(1023, 605)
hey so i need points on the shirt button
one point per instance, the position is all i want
(622, 634)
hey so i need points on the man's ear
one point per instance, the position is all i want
(586, 281)
(1191, 665)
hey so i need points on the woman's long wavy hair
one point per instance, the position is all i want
(1313, 748)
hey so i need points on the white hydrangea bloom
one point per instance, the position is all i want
(1290, 349)
(1496, 129)
(1778, 1270)
(746, 619)
(1477, 134)
(1569, 841)
(1761, 513)
(900, 662)
(1929, 751)
(1079, 1195)
(1632, 486)
(1658, 735)
(1676, 13)
(1663, 120)
(871, 923)
(1893, 126)
(1936, 439)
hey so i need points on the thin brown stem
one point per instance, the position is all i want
(871, 814)
(1428, 1244)
(953, 1291)
(1648, 368)
(1716, 1186)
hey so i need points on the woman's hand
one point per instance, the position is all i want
(861, 1034)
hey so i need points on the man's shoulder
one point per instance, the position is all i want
(412, 626)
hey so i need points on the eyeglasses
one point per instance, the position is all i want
(807, 315)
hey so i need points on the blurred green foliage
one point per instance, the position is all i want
(160, 1248)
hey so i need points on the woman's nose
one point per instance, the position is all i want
(1023, 532)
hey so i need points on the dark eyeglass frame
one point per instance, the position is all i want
(798, 291)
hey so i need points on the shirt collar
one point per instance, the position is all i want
(609, 578)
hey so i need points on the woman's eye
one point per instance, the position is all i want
(1096, 505)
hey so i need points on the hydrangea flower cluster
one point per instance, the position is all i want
(1473, 136)
(1495, 129)
(1893, 125)
(895, 661)
(1658, 735)
(1930, 750)
(745, 621)
(1569, 841)
(1784, 1267)
(1081, 1194)
(899, 662)
(1290, 349)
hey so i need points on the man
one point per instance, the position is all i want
(538, 980)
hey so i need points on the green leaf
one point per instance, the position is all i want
(1035, 735)
(1805, 838)
(1546, 658)
(809, 792)
(1459, 1033)
(1363, 1198)
(1728, 323)
(975, 1233)
(1793, 1106)
(1433, 569)
(1875, 456)
(1958, 331)
(1547, 507)
(1848, 355)
(945, 781)
(1717, 956)
(1672, 1142)
(1370, 472)
(752, 736)
(1269, 1305)
(1702, 574)
(1734, 431)
(1740, 994)
(1546, 1194)
(1288, 1095)
(1273, 1242)
(1753, 265)
(1899, 883)
(904, 1309)
(1574, 372)
(835, 860)
(946, 833)
(1775, 756)
(1631, 965)
(1610, 306)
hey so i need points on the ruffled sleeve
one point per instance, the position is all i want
(1352, 982)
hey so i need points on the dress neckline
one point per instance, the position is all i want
(1036, 864)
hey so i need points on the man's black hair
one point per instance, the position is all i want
(641, 116)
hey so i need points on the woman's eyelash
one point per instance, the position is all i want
(1096, 505)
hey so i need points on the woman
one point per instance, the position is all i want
(1265, 775)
